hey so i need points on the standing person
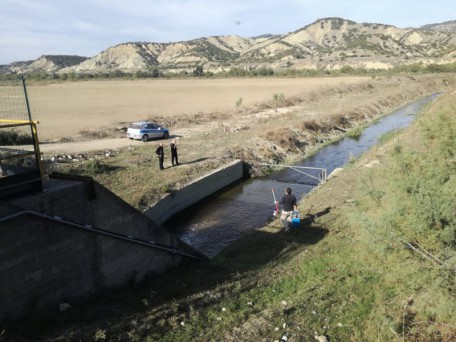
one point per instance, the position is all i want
(161, 155)
(288, 203)
(174, 152)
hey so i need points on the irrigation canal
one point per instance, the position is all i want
(216, 222)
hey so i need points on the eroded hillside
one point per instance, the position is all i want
(329, 43)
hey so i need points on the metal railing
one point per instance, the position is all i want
(321, 172)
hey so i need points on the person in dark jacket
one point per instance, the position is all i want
(288, 203)
(174, 159)
(161, 155)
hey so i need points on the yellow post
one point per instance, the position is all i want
(37, 149)
(6, 123)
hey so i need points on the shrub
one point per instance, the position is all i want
(94, 167)
(311, 126)
(283, 138)
(355, 133)
(239, 102)
(15, 138)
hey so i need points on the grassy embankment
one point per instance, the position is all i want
(379, 266)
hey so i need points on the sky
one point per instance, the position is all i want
(32, 28)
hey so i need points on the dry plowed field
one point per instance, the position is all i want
(65, 109)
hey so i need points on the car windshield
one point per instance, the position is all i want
(135, 126)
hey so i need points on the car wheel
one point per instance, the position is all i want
(145, 137)
(166, 135)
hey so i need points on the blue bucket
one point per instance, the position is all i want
(295, 220)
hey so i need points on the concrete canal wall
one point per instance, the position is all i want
(196, 191)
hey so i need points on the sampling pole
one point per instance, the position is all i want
(275, 202)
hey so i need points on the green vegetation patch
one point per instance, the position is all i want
(406, 219)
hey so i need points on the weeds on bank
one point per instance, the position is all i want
(95, 167)
(407, 221)
(384, 138)
(355, 133)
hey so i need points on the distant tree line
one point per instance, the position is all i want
(198, 71)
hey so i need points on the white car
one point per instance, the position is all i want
(145, 130)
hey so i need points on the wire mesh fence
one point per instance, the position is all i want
(20, 161)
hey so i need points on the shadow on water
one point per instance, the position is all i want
(219, 220)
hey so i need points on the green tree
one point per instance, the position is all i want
(155, 73)
(198, 71)
(347, 69)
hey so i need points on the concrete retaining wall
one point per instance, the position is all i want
(195, 191)
(45, 262)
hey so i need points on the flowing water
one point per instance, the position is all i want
(214, 223)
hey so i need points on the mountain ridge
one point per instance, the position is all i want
(328, 43)
(449, 26)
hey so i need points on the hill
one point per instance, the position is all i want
(46, 64)
(329, 43)
(448, 26)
